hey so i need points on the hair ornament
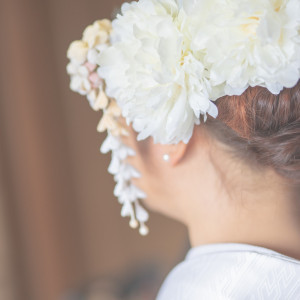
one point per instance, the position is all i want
(161, 64)
(85, 80)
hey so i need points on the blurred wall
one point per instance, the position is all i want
(60, 225)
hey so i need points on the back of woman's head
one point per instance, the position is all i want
(262, 129)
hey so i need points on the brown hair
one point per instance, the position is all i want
(262, 128)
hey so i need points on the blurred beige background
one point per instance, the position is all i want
(60, 226)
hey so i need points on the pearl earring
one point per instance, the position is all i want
(166, 157)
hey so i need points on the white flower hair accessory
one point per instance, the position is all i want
(85, 80)
(161, 64)
(170, 59)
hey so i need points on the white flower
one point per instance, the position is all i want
(150, 72)
(169, 59)
(249, 43)
(79, 78)
(97, 33)
(77, 52)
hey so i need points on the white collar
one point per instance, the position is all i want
(214, 248)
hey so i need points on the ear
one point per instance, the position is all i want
(175, 151)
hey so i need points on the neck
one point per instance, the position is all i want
(266, 218)
(250, 207)
(232, 202)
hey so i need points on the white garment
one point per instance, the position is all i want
(233, 271)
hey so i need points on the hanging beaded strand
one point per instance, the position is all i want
(86, 81)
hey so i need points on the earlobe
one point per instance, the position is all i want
(172, 154)
(177, 152)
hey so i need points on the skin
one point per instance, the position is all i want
(218, 197)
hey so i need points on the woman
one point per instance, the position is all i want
(201, 102)
(245, 228)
